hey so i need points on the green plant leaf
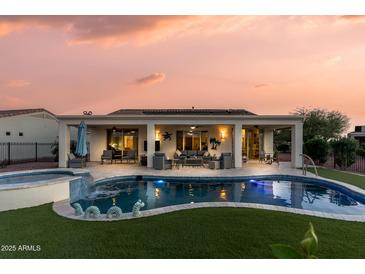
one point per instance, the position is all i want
(281, 251)
(310, 242)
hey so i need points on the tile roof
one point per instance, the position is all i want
(189, 111)
(15, 112)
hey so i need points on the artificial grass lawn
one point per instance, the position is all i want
(195, 233)
(350, 178)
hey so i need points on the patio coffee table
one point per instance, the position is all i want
(176, 163)
(193, 162)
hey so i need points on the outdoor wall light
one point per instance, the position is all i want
(223, 134)
(157, 135)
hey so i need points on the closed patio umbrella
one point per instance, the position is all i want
(81, 147)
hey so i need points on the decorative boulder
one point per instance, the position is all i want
(78, 209)
(136, 208)
(92, 212)
(114, 212)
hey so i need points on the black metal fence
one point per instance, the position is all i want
(358, 166)
(11, 152)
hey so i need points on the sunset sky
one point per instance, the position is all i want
(266, 64)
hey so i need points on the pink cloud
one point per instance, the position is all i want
(354, 18)
(17, 83)
(151, 79)
(8, 102)
(263, 85)
(113, 31)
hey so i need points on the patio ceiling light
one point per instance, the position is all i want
(192, 127)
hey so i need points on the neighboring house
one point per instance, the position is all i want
(28, 126)
(358, 134)
(27, 135)
(238, 131)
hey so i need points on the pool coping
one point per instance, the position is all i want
(64, 209)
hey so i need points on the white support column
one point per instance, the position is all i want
(296, 145)
(268, 140)
(63, 144)
(150, 143)
(238, 145)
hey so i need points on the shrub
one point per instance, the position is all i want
(344, 151)
(317, 148)
(361, 150)
(283, 147)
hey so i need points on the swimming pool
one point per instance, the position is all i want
(291, 192)
(35, 187)
(30, 178)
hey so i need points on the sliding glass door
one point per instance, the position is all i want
(188, 140)
(122, 140)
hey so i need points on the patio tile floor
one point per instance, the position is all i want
(99, 171)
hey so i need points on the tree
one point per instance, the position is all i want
(317, 148)
(361, 150)
(282, 139)
(344, 151)
(322, 123)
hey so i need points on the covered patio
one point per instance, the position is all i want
(251, 168)
(196, 134)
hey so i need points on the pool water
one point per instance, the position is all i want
(30, 178)
(159, 193)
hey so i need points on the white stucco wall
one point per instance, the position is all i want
(48, 192)
(268, 140)
(35, 128)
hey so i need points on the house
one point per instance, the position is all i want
(238, 131)
(358, 134)
(28, 126)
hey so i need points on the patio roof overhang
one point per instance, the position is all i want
(281, 120)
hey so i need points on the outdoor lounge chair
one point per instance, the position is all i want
(160, 161)
(131, 156)
(107, 155)
(74, 162)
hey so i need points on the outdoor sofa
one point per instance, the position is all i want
(191, 154)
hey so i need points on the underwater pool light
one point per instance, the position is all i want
(252, 181)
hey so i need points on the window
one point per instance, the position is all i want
(7, 133)
(357, 128)
(179, 140)
(21, 134)
(187, 140)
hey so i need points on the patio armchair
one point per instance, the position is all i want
(268, 158)
(160, 161)
(117, 154)
(74, 162)
(107, 155)
(262, 156)
(131, 156)
(225, 160)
